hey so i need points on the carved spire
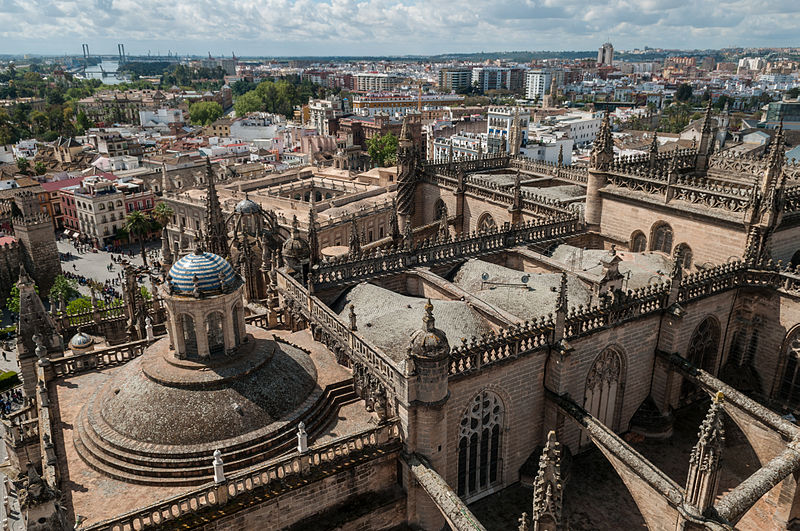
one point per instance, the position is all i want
(516, 202)
(444, 229)
(548, 488)
(707, 118)
(773, 175)
(355, 242)
(313, 240)
(654, 150)
(561, 156)
(216, 229)
(406, 177)
(561, 302)
(428, 320)
(603, 150)
(514, 134)
(706, 141)
(705, 459)
(677, 267)
(393, 224)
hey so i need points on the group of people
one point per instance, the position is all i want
(10, 400)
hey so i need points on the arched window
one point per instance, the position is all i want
(789, 390)
(638, 242)
(702, 352)
(686, 254)
(661, 238)
(439, 209)
(216, 335)
(486, 223)
(479, 445)
(604, 388)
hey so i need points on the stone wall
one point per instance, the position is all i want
(711, 240)
(9, 268)
(316, 497)
(39, 252)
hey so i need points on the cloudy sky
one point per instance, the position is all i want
(364, 27)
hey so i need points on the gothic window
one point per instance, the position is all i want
(661, 239)
(439, 209)
(638, 242)
(789, 390)
(702, 352)
(686, 254)
(486, 223)
(603, 388)
(479, 445)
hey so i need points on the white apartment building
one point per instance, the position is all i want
(537, 83)
(100, 208)
(321, 111)
(160, 118)
(499, 120)
(377, 82)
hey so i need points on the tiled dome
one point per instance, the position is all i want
(247, 206)
(80, 341)
(207, 267)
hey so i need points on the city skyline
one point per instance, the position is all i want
(377, 27)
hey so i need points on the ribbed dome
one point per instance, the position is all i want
(247, 206)
(80, 341)
(207, 267)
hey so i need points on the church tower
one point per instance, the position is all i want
(601, 158)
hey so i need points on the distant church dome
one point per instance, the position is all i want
(207, 267)
(247, 206)
(296, 251)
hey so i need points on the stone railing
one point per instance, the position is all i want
(647, 183)
(48, 452)
(275, 475)
(577, 174)
(98, 359)
(351, 270)
(508, 343)
(94, 315)
(363, 352)
(486, 162)
(684, 158)
(22, 425)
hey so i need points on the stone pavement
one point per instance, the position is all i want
(95, 265)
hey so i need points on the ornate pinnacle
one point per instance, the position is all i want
(654, 145)
(677, 268)
(547, 487)
(428, 318)
(561, 304)
(704, 461)
(707, 118)
(561, 156)
(355, 242)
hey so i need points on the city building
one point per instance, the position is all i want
(605, 55)
(537, 83)
(323, 112)
(401, 102)
(377, 82)
(453, 79)
(786, 112)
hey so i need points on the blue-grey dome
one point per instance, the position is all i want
(247, 206)
(80, 341)
(207, 267)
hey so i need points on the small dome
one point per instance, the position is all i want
(80, 341)
(296, 251)
(247, 206)
(207, 267)
(429, 342)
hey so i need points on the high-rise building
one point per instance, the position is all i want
(605, 55)
(376, 82)
(454, 78)
(537, 83)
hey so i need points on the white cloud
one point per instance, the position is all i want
(364, 27)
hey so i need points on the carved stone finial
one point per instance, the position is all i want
(548, 488)
(430, 322)
(705, 459)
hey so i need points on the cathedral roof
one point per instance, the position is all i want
(207, 267)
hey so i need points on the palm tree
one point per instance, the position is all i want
(163, 213)
(138, 224)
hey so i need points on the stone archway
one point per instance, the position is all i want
(215, 332)
(189, 335)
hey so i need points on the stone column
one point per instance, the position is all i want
(227, 330)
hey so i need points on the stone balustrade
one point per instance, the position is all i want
(274, 474)
(315, 311)
(97, 359)
(353, 269)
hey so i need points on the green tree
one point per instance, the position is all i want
(83, 121)
(249, 102)
(63, 288)
(79, 305)
(205, 112)
(145, 293)
(684, 92)
(382, 149)
(40, 168)
(138, 224)
(12, 302)
(162, 213)
(23, 165)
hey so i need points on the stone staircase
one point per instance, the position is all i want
(107, 452)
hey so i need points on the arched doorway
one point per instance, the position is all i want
(189, 337)
(479, 445)
(216, 335)
(702, 353)
(602, 395)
